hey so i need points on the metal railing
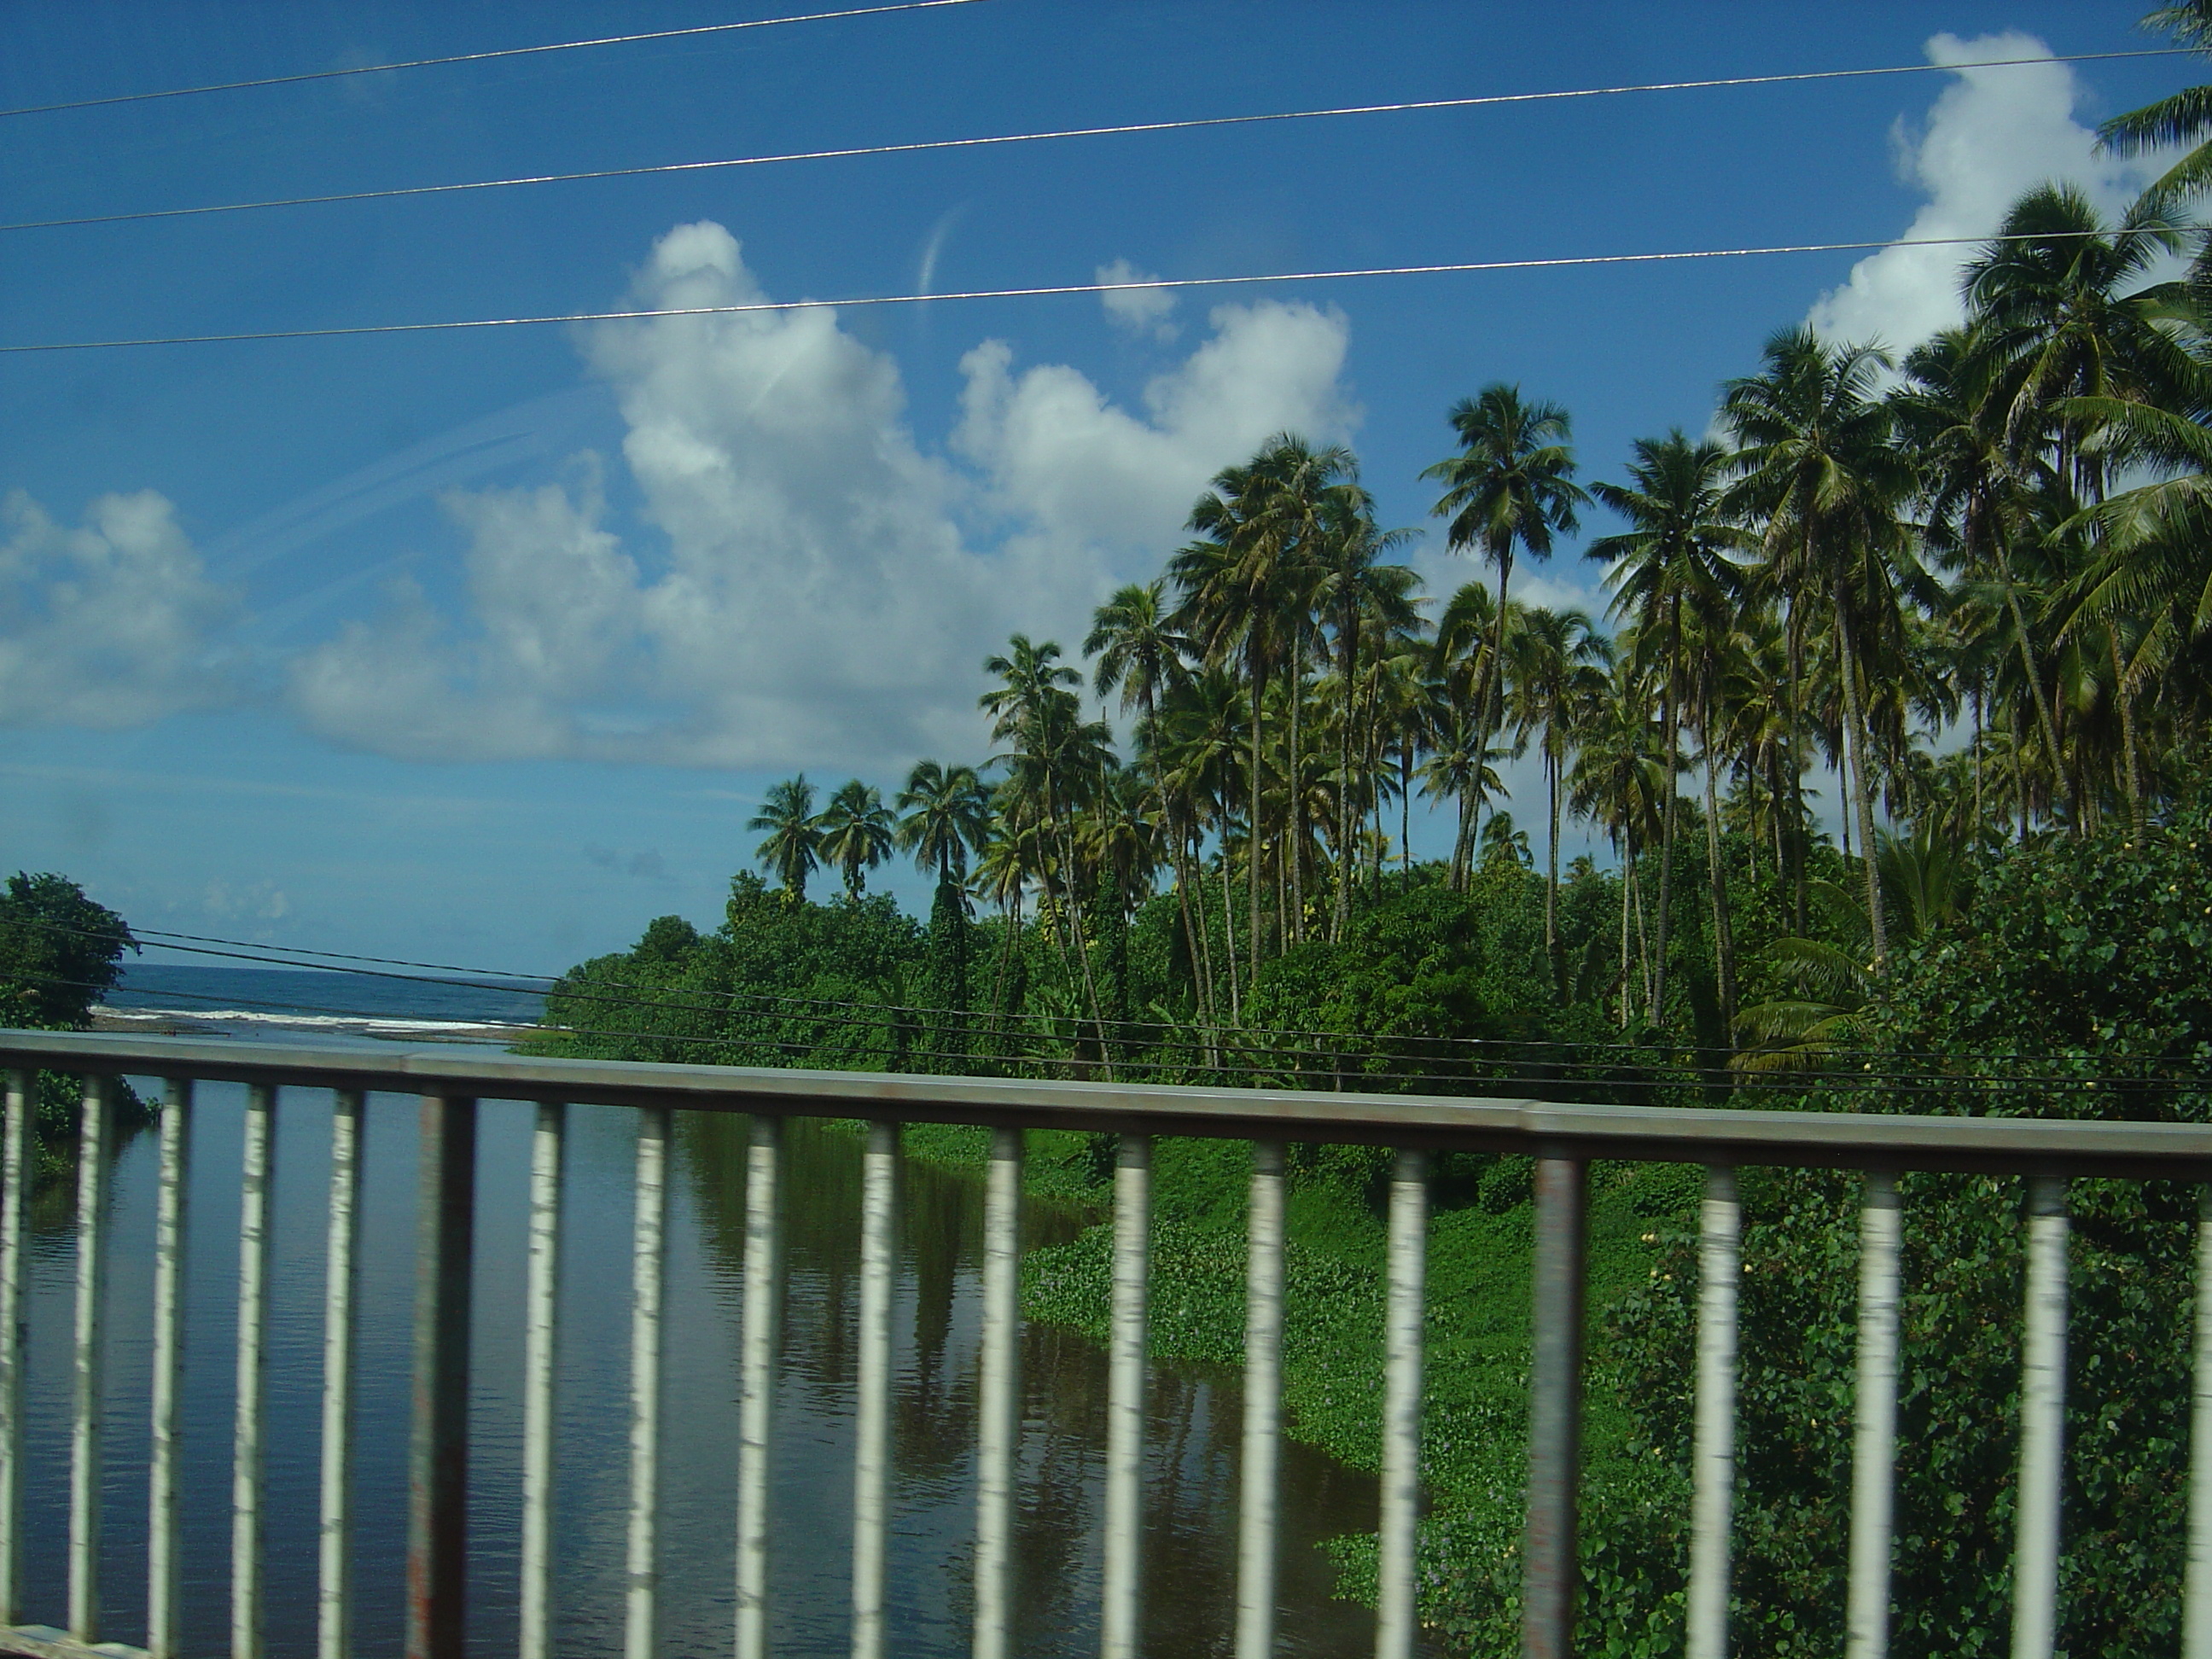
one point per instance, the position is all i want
(1563, 1138)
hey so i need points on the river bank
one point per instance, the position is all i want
(1473, 1434)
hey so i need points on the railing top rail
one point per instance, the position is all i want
(1666, 1133)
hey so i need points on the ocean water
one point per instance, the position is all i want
(270, 1003)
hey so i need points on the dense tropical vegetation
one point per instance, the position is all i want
(1959, 601)
(1956, 605)
(60, 951)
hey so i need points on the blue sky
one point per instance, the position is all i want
(482, 645)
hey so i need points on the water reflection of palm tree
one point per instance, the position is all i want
(1190, 1496)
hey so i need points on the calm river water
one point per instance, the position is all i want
(1191, 1480)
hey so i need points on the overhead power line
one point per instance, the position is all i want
(1044, 290)
(1121, 130)
(478, 57)
(684, 999)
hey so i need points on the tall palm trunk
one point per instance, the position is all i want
(1672, 721)
(1012, 913)
(1552, 873)
(1406, 809)
(1294, 931)
(1627, 899)
(1202, 992)
(1855, 756)
(1463, 844)
(2130, 755)
(2027, 666)
(1252, 816)
(1976, 702)
(1072, 903)
(1195, 862)
(1229, 941)
(1627, 856)
(1348, 843)
(1643, 937)
(1723, 930)
(1489, 687)
(1794, 732)
(1493, 679)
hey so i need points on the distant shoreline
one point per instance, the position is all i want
(224, 1022)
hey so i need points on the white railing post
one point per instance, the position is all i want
(341, 1278)
(2042, 1423)
(762, 1299)
(1713, 1454)
(1263, 1405)
(254, 1255)
(871, 1455)
(541, 1353)
(999, 1405)
(164, 1552)
(1550, 1563)
(438, 1434)
(1122, 1616)
(2197, 1603)
(656, 1131)
(1395, 1612)
(22, 1103)
(1874, 1451)
(87, 1401)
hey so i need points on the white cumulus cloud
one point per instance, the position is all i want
(1073, 469)
(1140, 310)
(821, 588)
(112, 623)
(555, 602)
(1992, 134)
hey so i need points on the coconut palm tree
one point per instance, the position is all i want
(1141, 653)
(1830, 1013)
(947, 813)
(1503, 843)
(1005, 863)
(857, 832)
(1359, 595)
(1455, 770)
(1616, 781)
(1398, 701)
(1817, 464)
(1556, 671)
(1470, 631)
(2153, 566)
(2062, 315)
(2180, 117)
(793, 850)
(1981, 496)
(1246, 588)
(1510, 487)
(1673, 574)
(1196, 741)
(1054, 762)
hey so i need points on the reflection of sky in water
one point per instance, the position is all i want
(1191, 1490)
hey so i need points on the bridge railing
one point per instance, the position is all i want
(1562, 1138)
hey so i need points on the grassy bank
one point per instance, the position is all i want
(1474, 1414)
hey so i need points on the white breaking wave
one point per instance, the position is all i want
(316, 1022)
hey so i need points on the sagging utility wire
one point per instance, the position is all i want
(920, 147)
(478, 57)
(1044, 290)
(1245, 1041)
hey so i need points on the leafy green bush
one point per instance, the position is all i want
(2078, 983)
